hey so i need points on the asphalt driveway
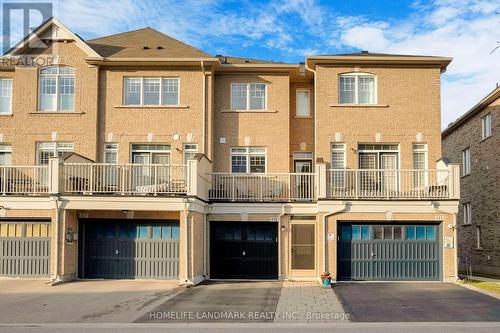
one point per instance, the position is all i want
(416, 302)
(220, 302)
(109, 301)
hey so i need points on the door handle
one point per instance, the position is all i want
(372, 254)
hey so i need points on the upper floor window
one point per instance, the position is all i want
(57, 89)
(466, 164)
(248, 96)
(111, 153)
(5, 96)
(467, 213)
(248, 160)
(147, 153)
(338, 156)
(5, 154)
(45, 150)
(151, 91)
(486, 126)
(357, 88)
(302, 103)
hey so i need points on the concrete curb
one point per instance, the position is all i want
(488, 293)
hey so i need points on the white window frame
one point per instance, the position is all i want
(56, 148)
(467, 213)
(424, 174)
(247, 153)
(486, 126)
(187, 149)
(151, 152)
(110, 147)
(466, 162)
(338, 147)
(308, 91)
(379, 152)
(356, 88)
(248, 84)
(141, 93)
(57, 76)
(6, 148)
(478, 237)
(2, 79)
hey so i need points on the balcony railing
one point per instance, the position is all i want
(23, 180)
(262, 187)
(388, 184)
(129, 179)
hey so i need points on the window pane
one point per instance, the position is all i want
(170, 91)
(66, 93)
(398, 233)
(356, 232)
(337, 160)
(175, 232)
(302, 103)
(420, 233)
(48, 94)
(366, 90)
(347, 89)
(5, 96)
(156, 232)
(239, 96)
(388, 234)
(410, 233)
(257, 164)
(377, 232)
(365, 233)
(238, 164)
(132, 91)
(257, 96)
(346, 233)
(151, 91)
(431, 233)
(143, 231)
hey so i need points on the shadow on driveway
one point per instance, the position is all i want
(219, 302)
(415, 302)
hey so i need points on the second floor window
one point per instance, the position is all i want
(5, 96)
(248, 160)
(248, 96)
(5, 154)
(486, 126)
(45, 150)
(467, 213)
(357, 88)
(57, 89)
(466, 164)
(151, 91)
(302, 103)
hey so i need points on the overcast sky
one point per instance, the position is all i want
(467, 30)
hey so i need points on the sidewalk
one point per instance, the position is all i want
(306, 302)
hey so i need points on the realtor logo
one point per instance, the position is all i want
(13, 11)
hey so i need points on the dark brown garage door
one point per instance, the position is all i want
(121, 249)
(243, 250)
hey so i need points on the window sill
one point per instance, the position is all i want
(56, 112)
(248, 111)
(335, 105)
(482, 140)
(463, 176)
(478, 249)
(298, 117)
(6, 115)
(152, 106)
(466, 224)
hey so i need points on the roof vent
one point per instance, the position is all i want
(364, 52)
(146, 47)
(247, 61)
(159, 47)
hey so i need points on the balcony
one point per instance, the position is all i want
(388, 184)
(262, 187)
(24, 180)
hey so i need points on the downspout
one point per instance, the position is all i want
(315, 108)
(186, 264)
(56, 278)
(204, 106)
(279, 239)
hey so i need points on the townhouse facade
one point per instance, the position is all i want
(473, 141)
(138, 156)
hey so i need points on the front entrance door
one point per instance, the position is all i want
(303, 257)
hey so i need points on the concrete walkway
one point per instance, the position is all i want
(306, 302)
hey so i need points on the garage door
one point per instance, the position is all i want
(389, 252)
(129, 249)
(243, 250)
(25, 248)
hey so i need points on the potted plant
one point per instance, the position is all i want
(326, 278)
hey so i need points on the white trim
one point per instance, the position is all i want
(308, 104)
(247, 155)
(248, 97)
(141, 93)
(106, 150)
(486, 125)
(467, 213)
(356, 75)
(343, 150)
(57, 76)
(466, 162)
(11, 93)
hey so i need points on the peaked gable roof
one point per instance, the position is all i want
(143, 43)
(51, 29)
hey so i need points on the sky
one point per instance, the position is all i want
(467, 30)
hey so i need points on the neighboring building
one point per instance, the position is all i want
(138, 156)
(474, 141)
